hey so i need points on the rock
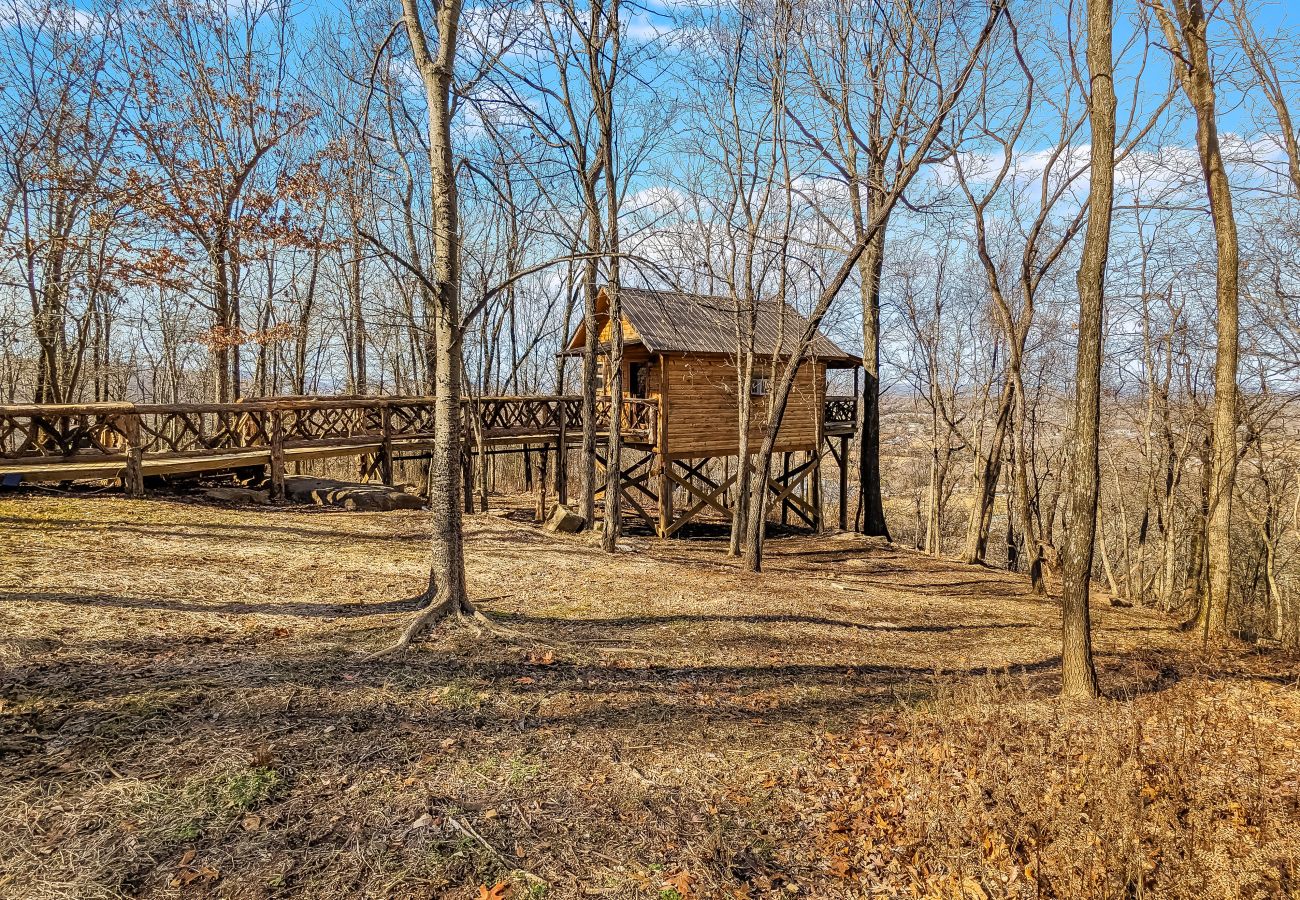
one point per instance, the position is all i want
(564, 520)
(237, 495)
(348, 495)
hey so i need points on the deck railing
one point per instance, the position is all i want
(114, 430)
(841, 410)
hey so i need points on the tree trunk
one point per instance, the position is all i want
(871, 266)
(1186, 31)
(1078, 673)
(614, 452)
(446, 591)
(988, 473)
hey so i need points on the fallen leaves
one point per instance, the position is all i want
(187, 873)
(682, 882)
(499, 891)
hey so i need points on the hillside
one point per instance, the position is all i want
(186, 711)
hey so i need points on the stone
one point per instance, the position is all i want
(564, 520)
(240, 496)
(348, 495)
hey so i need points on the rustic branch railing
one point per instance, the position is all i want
(640, 417)
(841, 411)
(103, 431)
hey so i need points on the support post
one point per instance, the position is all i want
(844, 483)
(133, 480)
(665, 492)
(386, 447)
(562, 454)
(819, 517)
(277, 455)
(785, 479)
(541, 484)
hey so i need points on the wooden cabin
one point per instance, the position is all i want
(680, 351)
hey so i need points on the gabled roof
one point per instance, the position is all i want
(676, 322)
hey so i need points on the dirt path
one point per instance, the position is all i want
(185, 710)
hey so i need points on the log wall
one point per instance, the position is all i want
(702, 409)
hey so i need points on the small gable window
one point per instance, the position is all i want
(758, 386)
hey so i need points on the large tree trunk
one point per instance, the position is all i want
(446, 593)
(871, 266)
(589, 364)
(1192, 64)
(744, 470)
(614, 453)
(1078, 674)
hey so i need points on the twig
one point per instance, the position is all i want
(470, 833)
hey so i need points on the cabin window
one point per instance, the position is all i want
(758, 386)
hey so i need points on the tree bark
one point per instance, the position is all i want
(1078, 673)
(603, 83)
(446, 591)
(871, 266)
(1186, 30)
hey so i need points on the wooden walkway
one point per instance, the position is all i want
(132, 441)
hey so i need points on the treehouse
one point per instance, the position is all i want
(682, 407)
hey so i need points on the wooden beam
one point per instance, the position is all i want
(277, 455)
(700, 506)
(819, 520)
(133, 480)
(707, 499)
(562, 453)
(844, 483)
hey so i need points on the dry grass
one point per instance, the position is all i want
(185, 712)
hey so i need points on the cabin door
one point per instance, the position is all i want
(639, 378)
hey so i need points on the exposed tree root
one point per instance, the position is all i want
(459, 609)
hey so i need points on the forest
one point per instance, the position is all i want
(1061, 236)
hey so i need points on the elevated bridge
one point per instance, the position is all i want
(130, 442)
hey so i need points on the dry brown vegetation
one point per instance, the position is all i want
(186, 712)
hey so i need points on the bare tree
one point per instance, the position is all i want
(1078, 675)
(1186, 25)
(446, 594)
(945, 87)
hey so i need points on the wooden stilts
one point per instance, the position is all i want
(844, 483)
(467, 476)
(562, 456)
(541, 485)
(785, 479)
(133, 481)
(277, 455)
(665, 490)
(815, 488)
(386, 447)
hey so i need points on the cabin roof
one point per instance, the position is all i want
(677, 322)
